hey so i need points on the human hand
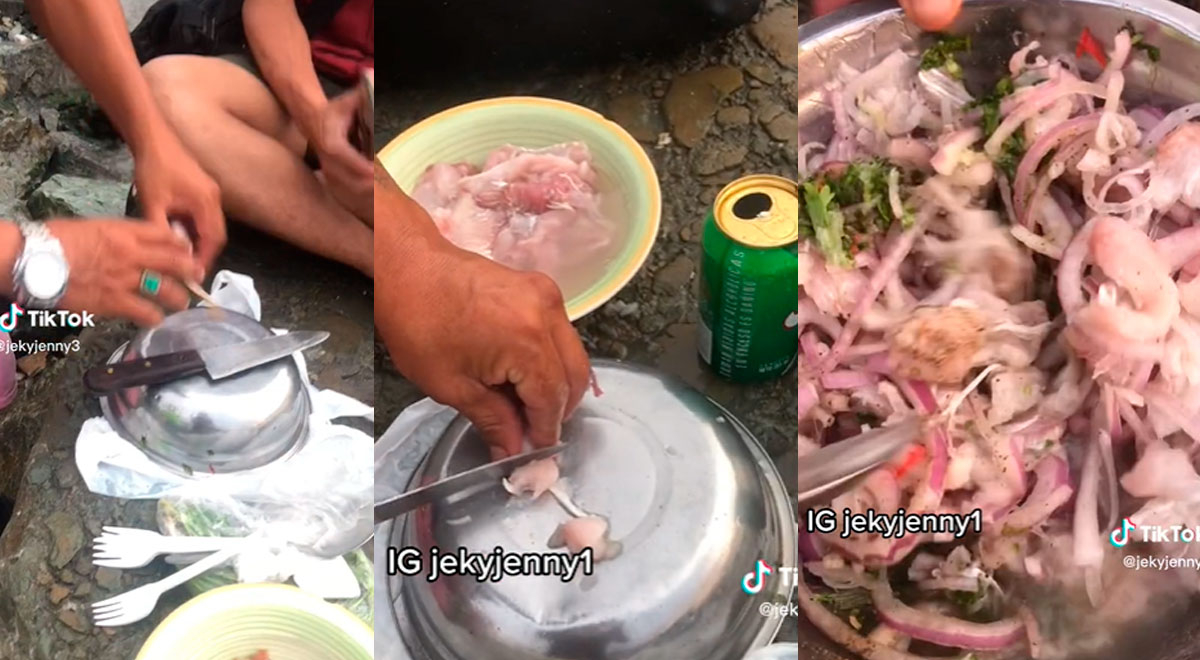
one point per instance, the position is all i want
(491, 342)
(107, 258)
(347, 172)
(171, 184)
(927, 14)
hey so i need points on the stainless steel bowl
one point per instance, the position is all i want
(692, 498)
(866, 32)
(199, 425)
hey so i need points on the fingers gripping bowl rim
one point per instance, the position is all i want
(471, 131)
(240, 620)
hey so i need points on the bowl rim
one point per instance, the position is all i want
(1163, 12)
(358, 629)
(579, 307)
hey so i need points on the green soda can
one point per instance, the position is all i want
(748, 280)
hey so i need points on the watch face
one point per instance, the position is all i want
(45, 276)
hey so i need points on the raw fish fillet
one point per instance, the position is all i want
(535, 477)
(529, 209)
(588, 532)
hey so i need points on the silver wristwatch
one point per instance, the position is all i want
(40, 276)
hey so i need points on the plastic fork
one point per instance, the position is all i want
(126, 547)
(133, 606)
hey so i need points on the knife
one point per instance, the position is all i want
(218, 362)
(836, 468)
(491, 472)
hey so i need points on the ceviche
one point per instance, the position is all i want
(1019, 268)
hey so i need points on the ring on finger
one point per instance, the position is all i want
(151, 283)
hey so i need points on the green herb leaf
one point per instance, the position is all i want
(827, 223)
(1139, 43)
(941, 55)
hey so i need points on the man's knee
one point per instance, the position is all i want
(173, 85)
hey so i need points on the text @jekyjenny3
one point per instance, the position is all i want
(892, 525)
(487, 566)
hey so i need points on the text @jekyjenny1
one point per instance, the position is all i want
(892, 525)
(487, 566)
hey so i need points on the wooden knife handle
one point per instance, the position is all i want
(146, 371)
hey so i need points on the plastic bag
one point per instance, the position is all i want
(274, 560)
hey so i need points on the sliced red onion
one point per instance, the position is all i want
(848, 380)
(1051, 491)
(806, 399)
(1070, 270)
(809, 546)
(1036, 102)
(1169, 124)
(813, 349)
(1088, 551)
(838, 631)
(887, 270)
(944, 630)
(922, 395)
(879, 364)
(1050, 140)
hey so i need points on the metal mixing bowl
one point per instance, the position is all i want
(692, 498)
(196, 424)
(865, 33)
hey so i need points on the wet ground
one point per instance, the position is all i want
(46, 574)
(707, 117)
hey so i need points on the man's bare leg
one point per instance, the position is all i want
(241, 135)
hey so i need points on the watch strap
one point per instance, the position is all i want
(38, 239)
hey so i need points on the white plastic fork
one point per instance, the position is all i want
(133, 606)
(126, 547)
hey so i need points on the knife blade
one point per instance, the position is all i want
(835, 468)
(218, 362)
(395, 506)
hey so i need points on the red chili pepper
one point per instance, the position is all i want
(914, 457)
(1089, 46)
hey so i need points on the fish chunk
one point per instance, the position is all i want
(579, 534)
(529, 209)
(534, 478)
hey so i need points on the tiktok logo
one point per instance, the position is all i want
(8, 322)
(1120, 537)
(752, 582)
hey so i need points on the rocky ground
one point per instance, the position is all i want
(720, 111)
(59, 158)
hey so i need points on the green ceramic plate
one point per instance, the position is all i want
(235, 622)
(470, 132)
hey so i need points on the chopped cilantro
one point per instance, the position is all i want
(829, 221)
(1013, 152)
(941, 55)
(967, 600)
(990, 105)
(847, 601)
(1139, 43)
(826, 222)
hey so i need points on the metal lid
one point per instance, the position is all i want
(759, 211)
(197, 425)
(690, 496)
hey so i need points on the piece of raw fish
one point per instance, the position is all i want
(534, 478)
(578, 534)
(529, 209)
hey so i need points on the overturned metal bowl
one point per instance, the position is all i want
(865, 33)
(197, 425)
(690, 496)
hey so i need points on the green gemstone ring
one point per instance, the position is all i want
(151, 282)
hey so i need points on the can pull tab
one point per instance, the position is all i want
(758, 206)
